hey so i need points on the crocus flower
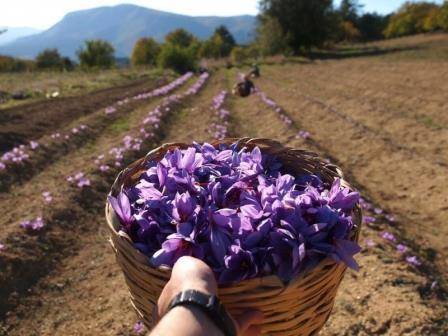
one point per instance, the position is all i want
(413, 260)
(104, 168)
(388, 236)
(139, 328)
(2, 247)
(175, 247)
(239, 265)
(34, 145)
(122, 208)
(47, 196)
(33, 225)
(402, 248)
(370, 243)
(369, 219)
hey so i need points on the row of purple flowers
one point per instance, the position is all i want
(281, 113)
(219, 128)
(22, 153)
(376, 212)
(130, 143)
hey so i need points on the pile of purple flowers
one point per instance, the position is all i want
(238, 211)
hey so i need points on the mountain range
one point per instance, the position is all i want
(13, 33)
(122, 25)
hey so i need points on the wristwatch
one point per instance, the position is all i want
(210, 305)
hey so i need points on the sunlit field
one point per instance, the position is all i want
(378, 110)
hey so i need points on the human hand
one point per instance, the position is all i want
(191, 273)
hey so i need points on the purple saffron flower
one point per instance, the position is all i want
(388, 236)
(370, 243)
(2, 247)
(344, 251)
(104, 168)
(174, 247)
(33, 225)
(239, 265)
(402, 248)
(413, 260)
(122, 208)
(139, 328)
(47, 196)
(369, 219)
(34, 145)
(378, 211)
(390, 218)
(2, 166)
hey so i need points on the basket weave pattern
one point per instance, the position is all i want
(299, 308)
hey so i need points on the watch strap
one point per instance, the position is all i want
(210, 305)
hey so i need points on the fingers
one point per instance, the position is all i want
(247, 323)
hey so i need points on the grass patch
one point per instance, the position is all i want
(120, 126)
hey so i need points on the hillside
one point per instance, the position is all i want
(13, 33)
(122, 25)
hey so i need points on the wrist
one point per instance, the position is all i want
(210, 305)
(198, 317)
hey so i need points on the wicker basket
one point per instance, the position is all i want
(300, 308)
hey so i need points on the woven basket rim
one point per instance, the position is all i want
(113, 221)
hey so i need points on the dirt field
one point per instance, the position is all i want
(382, 118)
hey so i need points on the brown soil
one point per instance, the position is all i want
(31, 121)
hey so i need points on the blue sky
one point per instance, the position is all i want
(44, 13)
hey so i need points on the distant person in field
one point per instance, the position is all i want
(255, 72)
(244, 87)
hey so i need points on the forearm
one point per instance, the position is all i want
(186, 321)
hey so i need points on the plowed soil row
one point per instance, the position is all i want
(28, 122)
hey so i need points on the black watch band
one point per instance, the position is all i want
(210, 305)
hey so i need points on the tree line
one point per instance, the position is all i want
(284, 27)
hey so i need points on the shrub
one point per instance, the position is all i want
(238, 55)
(177, 58)
(49, 59)
(97, 53)
(10, 64)
(145, 52)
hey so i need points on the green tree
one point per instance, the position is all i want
(349, 10)
(97, 53)
(270, 38)
(443, 16)
(145, 52)
(49, 59)
(410, 19)
(304, 23)
(213, 47)
(180, 37)
(177, 58)
(372, 25)
(227, 40)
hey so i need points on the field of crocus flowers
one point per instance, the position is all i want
(381, 118)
